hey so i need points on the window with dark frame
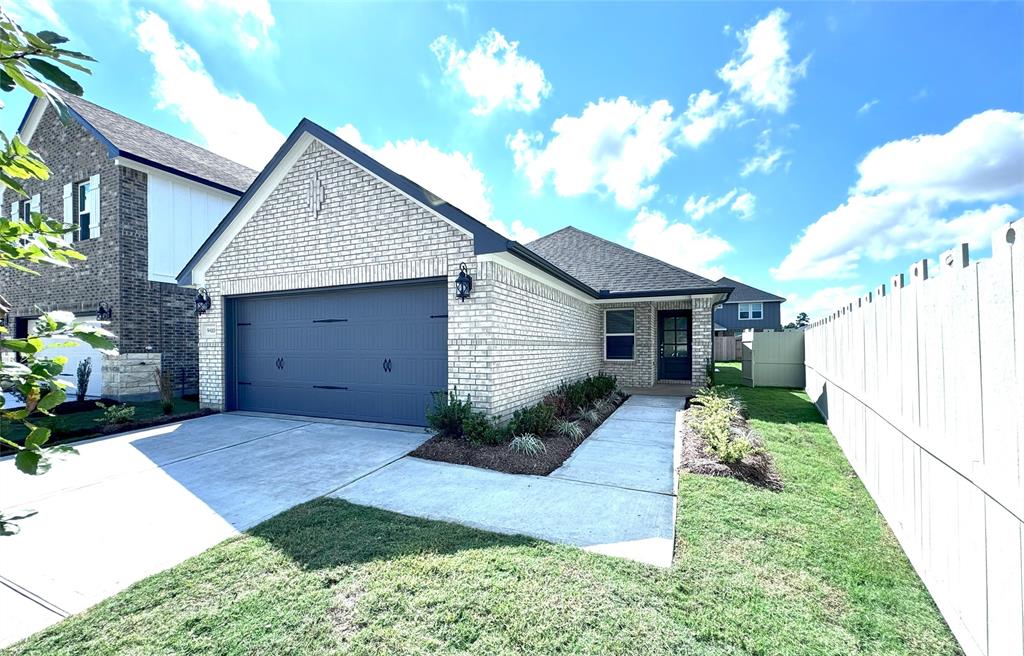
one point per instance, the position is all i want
(25, 210)
(82, 215)
(619, 334)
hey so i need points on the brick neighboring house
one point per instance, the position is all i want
(747, 308)
(334, 293)
(141, 202)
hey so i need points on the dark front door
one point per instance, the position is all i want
(674, 361)
(368, 354)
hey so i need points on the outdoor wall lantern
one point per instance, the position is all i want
(104, 312)
(203, 301)
(463, 284)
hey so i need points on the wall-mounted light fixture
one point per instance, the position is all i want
(463, 284)
(203, 301)
(104, 312)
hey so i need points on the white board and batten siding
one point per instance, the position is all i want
(182, 215)
(922, 383)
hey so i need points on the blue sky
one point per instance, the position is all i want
(774, 143)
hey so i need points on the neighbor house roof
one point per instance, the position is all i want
(626, 282)
(605, 265)
(136, 141)
(745, 293)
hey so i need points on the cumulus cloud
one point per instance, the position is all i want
(249, 20)
(677, 243)
(226, 123)
(493, 73)
(36, 15)
(820, 303)
(452, 176)
(613, 147)
(704, 116)
(911, 196)
(762, 74)
(744, 206)
(698, 208)
(766, 159)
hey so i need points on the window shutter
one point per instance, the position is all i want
(33, 205)
(69, 209)
(14, 210)
(94, 206)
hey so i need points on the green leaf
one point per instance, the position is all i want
(52, 400)
(56, 75)
(51, 37)
(6, 83)
(29, 345)
(31, 462)
(37, 437)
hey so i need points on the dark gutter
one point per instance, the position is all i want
(604, 293)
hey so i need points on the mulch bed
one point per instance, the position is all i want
(758, 468)
(499, 457)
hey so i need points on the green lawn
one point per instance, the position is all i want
(728, 373)
(811, 570)
(88, 420)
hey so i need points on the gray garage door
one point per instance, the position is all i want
(369, 354)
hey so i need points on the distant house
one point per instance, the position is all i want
(748, 308)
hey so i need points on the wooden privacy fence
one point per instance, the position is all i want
(773, 358)
(727, 348)
(923, 386)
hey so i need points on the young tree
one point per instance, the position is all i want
(32, 62)
(802, 320)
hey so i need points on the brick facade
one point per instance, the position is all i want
(509, 343)
(153, 321)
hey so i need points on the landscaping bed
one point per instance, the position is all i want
(91, 420)
(536, 440)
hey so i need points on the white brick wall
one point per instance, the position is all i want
(511, 342)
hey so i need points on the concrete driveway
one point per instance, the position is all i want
(135, 504)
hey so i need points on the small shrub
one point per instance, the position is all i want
(574, 394)
(527, 445)
(481, 429)
(709, 373)
(82, 375)
(449, 414)
(713, 415)
(590, 416)
(535, 419)
(570, 429)
(121, 413)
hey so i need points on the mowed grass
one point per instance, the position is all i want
(811, 570)
(91, 420)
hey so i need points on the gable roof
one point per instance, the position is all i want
(670, 280)
(745, 293)
(136, 141)
(605, 265)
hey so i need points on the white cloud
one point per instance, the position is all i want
(677, 243)
(766, 159)
(704, 116)
(36, 15)
(820, 303)
(614, 146)
(227, 123)
(452, 176)
(698, 208)
(493, 73)
(763, 74)
(866, 107)
(744, 206)
(902, 200)
(250, 20)
(460, 8)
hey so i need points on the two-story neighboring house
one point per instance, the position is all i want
(141, 202)
(748, 308)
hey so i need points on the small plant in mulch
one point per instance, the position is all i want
(718, 442)
(536, 439)
(121, 413)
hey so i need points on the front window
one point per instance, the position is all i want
(751, 311)
(83, 206)
(618, 334)
(25, 210)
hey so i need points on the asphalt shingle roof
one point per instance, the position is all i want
(743, 293)
(149, 143)
(605, 265)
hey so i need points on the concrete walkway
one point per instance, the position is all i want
(615, 495)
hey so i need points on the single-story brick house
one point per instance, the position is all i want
(333, 293)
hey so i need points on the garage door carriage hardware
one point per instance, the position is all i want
(330, 387)
(387, 364)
